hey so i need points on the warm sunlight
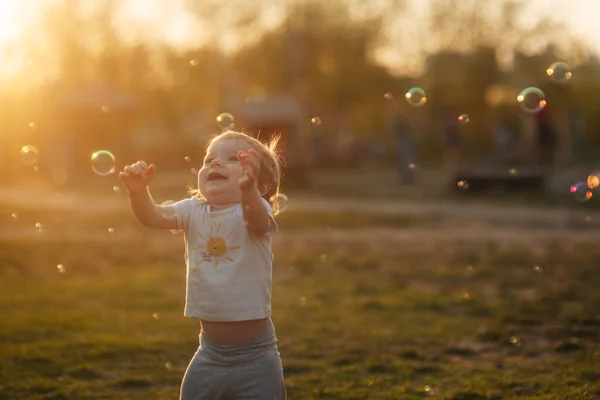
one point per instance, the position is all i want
(11, 22)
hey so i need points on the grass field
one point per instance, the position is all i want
(365, 307)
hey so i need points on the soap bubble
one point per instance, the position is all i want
(61, 268)
(188, 158)
(581, 191)
(315, 121)
(416, 97)
(559, 72)
(388, 96)
(103, 163)
(279, 202)
(29, 155)
(593, 180)
(532, 100)
(225, 121)
(464, 119)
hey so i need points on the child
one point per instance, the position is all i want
(228, 226)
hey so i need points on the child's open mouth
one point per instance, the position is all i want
(215, 176)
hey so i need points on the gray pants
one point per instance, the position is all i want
(247, 371)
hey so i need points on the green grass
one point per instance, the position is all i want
(357, 317)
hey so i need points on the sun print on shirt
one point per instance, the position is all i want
(216, 247)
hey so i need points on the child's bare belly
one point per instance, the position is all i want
(227, 333)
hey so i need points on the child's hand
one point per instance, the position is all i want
(136, 176)
(250, 164)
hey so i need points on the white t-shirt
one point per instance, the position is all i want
(229, 269)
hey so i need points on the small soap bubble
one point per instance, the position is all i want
(559, 72)
(462, 184)
(168, 365)
(388, 96)
(194, 171)
(279, 203)
(532, 100)
(464, 119)
(412, 166)
(537, 268)
(514, 340)
(593, 180)
(39, 226)
(416, 97)
(466, 296)
(155, 316)
(14, 216)
(105, 109)
(103, 163)
(111, 230)
(193, 63)
(60, 268)
(225, 121)
(513, 171)
(315, 121)
(188, 158)
(36, 169)
(116, 189)
(29, 155)
(32, 125)
(581, 192)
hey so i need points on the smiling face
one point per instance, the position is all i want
(218, 179)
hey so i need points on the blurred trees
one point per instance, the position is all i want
(327, 50)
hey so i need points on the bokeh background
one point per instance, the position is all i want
(441, 244)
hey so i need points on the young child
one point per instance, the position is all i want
(228, 226)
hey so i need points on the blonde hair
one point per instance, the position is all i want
(270, 170)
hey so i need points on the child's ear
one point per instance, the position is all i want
(264, 188)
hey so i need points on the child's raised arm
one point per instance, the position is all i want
(136, 177)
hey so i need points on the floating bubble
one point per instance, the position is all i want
(412, 166)
(279, 202)
(116, 189)
(559, 72)
(105, 109)
(581, 192)
(416, 97)
(388, 96)
(155, 316)
(537, 268)
(593, 180)
(225, 121)
(111, 230)
(188, 158)
(513, 171)
(103, 163)
(14, 216)
(466, 296)
(315, 121)
(464, 119)
(168, 365)
(193, 63)
(194, 171)
(32, 125)
(532, 100)
(514, 340)
(39, 226)
(61, 268)
(462, 184)
(29, 155)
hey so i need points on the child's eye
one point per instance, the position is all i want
(234, 158)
